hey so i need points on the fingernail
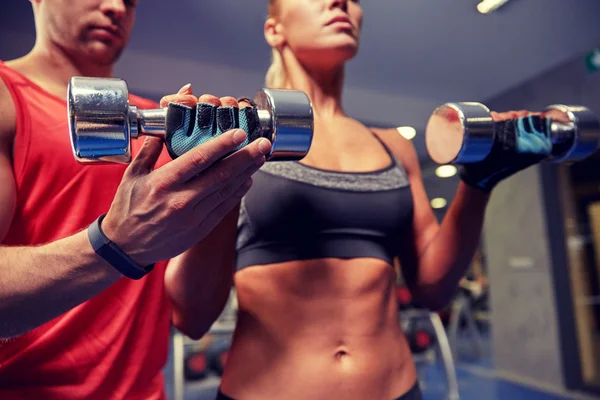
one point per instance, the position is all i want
(264, 146)
(239, 136)
(184, 88)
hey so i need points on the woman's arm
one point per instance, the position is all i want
(199, 281)
(441, 252)
(444, 250)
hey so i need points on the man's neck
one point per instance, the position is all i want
(58, 65)
(51, 68)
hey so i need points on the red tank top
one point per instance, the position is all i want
(115, 345)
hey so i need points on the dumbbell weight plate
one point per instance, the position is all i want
(288, 114)
(575, 132)
(196, 366)
(98, 115)
(459, 133)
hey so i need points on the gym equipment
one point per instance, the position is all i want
(221, 330)
(102, 122)
(217, 354)
(460, 133)
(404, 298)
(462, 319)
(431, 322)
(195, 366)
(419, 340)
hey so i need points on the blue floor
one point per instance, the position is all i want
(477, 386)
(476, 380)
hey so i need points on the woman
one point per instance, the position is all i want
(315, 282)
(317, 238)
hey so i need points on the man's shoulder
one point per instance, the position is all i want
(8, 112)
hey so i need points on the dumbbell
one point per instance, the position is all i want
(419, 336)
(217, 354)
(196, 366)
(102, 123)
(460, 133)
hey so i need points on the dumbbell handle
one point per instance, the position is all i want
(152, 122)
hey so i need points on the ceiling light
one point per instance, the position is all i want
(488, 6)
(438, 202)
(407, 131)
(445, 171)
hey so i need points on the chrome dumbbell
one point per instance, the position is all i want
(459, 133)
(102, 122)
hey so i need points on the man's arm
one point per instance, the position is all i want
(42, 282)
(8, 191)
(168, 209)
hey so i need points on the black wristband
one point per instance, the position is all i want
(112, 254)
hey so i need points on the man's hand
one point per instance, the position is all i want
(159, 214)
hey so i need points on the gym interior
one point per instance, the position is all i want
(525, 321)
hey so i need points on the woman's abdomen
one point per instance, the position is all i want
(318, 329)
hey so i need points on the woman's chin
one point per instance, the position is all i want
(331, 56)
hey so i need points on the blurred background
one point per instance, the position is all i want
(527, 322)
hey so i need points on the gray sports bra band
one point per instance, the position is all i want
(298, 212)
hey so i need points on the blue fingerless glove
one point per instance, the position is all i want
(518, 144)
(188, 127)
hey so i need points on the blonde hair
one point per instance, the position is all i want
(276, 77)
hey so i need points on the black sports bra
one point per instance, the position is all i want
(297, 212)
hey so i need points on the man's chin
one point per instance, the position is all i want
(102, 54)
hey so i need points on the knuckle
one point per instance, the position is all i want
(222, 175)
(165, 100)
(210, 99)
(225, 193)
(178, 204)
(156, 186)
(139, 185)
(225, 142)
(228, 101)
(243, 189)
(199, 157)
(186, 99)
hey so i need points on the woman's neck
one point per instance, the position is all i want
(322, 85)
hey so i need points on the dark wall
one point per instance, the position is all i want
(525, 324)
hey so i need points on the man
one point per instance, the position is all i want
(73, 324)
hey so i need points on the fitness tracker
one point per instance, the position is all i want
(112, 254)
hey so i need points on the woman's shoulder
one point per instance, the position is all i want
(400, 146)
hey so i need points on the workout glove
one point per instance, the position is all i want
(518, 144)
(188, 127)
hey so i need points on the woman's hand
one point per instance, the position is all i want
(521, 139)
